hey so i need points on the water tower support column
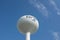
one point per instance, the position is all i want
(28, 36)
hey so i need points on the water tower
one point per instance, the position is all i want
(27, 24)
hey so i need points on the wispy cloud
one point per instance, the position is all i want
(53, 3)
(40, 7)
(58, 12)
(56, 35)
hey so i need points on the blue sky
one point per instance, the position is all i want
(46, 11)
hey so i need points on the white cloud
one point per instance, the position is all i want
(56, 35)
(53, 3)
(40, 7)
(58, 12)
